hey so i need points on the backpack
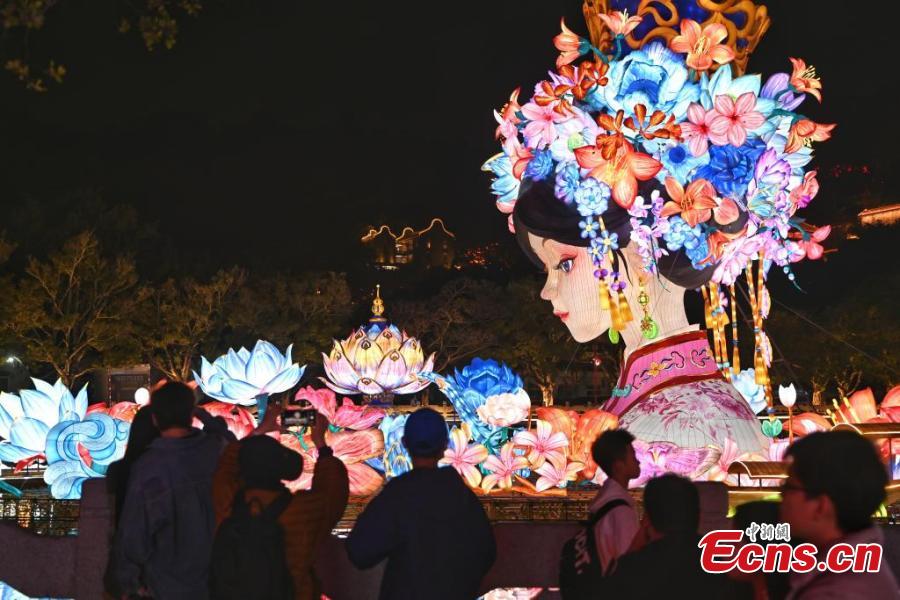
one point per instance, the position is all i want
(248, 560)
(580, 573)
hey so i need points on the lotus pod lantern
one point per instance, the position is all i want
(378, 360)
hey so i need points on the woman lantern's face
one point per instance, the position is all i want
(571, 287)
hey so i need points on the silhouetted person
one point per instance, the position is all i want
(773, 586)
(427, 523)
(836, 481)
(666, 562)
(166, 529)
(250, 476)
(140, 435)
(614, 453)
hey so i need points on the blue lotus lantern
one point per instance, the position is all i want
(488, 396)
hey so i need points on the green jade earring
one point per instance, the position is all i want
(649, 328)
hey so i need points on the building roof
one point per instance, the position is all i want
(406, 232)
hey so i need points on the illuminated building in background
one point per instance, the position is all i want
(882, 215)
(432, 247)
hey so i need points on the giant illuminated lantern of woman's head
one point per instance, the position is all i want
(652, 167)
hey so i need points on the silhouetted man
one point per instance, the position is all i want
(166, 530)
(427, 523)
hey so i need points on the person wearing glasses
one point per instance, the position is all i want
(836, 481)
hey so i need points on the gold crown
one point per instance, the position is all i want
(743, 40)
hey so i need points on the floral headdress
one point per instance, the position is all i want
(720, 146)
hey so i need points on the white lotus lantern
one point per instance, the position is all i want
(247, 378)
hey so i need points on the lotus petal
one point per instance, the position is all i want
(64, 400)
(46, 388)
(350, 346)
(429, 365)
(81, 402)
(231, 365)
(211, 387)
(12, 453)
(416, 385)
(6, 422)
(269, 349)
(12, 404)
(388, 340)
(60, 388)
(412, 354)
(287, 361)
(339, 389)
(368, 358)
(369, 386)
(239, 392)
(10, 410)
(40, 406)
(341, 372)
(261, 367)
(392, 371)
(206, 370)
(244, 355)
(285, 380)
(29, 433)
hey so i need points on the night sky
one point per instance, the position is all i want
(274, 132)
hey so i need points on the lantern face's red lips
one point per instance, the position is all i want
(561, 315)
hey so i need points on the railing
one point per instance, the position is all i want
(41, 514)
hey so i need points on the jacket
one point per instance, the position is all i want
(308, 519)
(849, 585)
(166, 530)
(666, 568)
(433, 532)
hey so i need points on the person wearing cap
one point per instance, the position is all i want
(256, 467)
(427, 523)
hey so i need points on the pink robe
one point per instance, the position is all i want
(682, 411)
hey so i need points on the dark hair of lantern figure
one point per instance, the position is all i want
(541, 213)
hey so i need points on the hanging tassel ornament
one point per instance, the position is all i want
(755, 290)
(649, 328)
(615, 313)
(604, 294)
